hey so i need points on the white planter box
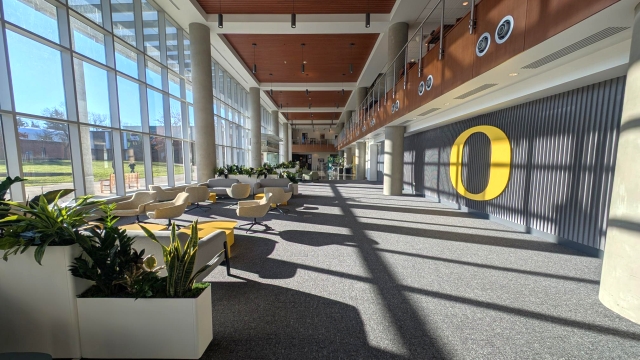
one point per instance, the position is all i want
(113, 328)
(295, 189)
(38, 309)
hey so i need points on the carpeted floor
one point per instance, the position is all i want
(352, 274)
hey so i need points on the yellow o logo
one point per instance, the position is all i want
(499, 168)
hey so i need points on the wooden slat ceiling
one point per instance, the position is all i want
(296, 116)
(301, 6)
(327, 56)
(317, 99)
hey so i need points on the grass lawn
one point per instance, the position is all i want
(49, 172)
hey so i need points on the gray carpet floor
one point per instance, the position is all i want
(352, 274)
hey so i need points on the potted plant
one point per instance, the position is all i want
(130, 305)
(222, 172)
(39, 311)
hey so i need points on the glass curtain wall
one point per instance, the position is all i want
(231, 116)
(95, 95)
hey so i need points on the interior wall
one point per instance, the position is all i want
(562, 162)
(297, 133)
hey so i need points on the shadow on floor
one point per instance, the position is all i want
(265, 321)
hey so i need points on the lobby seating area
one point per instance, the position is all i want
(350, 273)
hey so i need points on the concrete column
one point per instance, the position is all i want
(397, 35)
(255, 127)
(85, 134)
(393, 160)
(361, 158)
(275, 123)
(620, 280)
(202, 101)
(373, 162)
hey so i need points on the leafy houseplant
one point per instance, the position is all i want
(116, 269)
(221, 171)
(180, 262)
(42, 225)
(291, 176)
(6, 184)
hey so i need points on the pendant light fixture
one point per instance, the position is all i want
(271, 90)
(293, 15)
(367, 17)
(220, 21)
(307, 83)
(343, 84)
(351, 54)
(302, 45)
(255, 68)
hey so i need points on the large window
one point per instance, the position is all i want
(32, 95)
(125, 122)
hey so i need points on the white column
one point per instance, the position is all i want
(620, 281)
(393, 160)
(373, 162)
(202, 101)
(289, 143)
(348, 161)
(255, 125)
(361, 150)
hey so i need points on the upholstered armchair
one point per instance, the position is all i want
(197, 195)
(169, 210)
(255, 209)
(278, 197)
(165, 194)
(239, 191)
(312, 176)
(135, 206)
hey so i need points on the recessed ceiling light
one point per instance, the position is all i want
(465, 3)
(446, 104)
(513, 74)
(285, 61)
(304, 62)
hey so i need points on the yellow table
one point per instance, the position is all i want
(206, 228)
(261, 196)
(212, 198)
(136, 227)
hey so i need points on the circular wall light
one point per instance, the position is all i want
(421, 88)
(429, 82)
(483, 44)
(504, 29)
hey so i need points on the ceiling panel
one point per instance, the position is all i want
(327, 56)
(300, 6)
(317, 99)
(297, 116)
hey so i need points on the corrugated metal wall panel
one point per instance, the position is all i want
(563, 154)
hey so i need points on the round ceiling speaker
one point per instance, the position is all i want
(504, 29)
(483, 44)
(397, 105)
(429, 82)
(373, 121)
(421, 88)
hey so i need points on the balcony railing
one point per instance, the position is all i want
(313, 145)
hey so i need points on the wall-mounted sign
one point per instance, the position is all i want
(500, 165)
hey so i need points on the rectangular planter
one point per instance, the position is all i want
(38, 309)
(295, 189)
(112, 328)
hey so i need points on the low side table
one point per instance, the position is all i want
(206, 228)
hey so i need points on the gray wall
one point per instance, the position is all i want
(562, 163)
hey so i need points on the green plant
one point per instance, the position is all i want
(38, 224)
(247, 171)
(180, 261)
(221, 171)
(6, 184)
(116, 269)
(291, 176)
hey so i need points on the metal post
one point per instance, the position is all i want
(472, 18)
(406, 54)
(420, 56)
(442, 32)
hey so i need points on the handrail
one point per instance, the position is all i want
(311, 141)
(357, 121)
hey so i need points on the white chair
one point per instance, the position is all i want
(165, 194)
(169, 210)
(135, 206)
(255, 209)
(278, 197)
(197, 195)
